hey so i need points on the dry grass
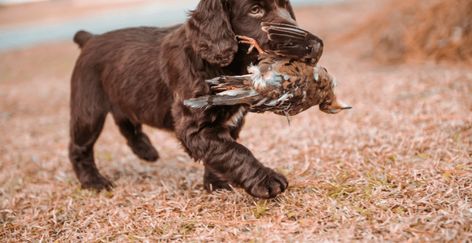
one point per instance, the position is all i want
(397, 167)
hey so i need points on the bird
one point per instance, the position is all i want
(283, 82)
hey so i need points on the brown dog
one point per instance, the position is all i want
(142, 75)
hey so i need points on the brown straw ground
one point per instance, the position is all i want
(397, 167)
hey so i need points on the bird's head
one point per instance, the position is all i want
(333, 106)
(330, 103)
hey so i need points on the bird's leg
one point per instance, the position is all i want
(250, 41)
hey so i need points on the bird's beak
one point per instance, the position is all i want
(335, 107)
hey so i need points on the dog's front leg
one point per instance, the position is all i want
(212, 181)
(212, 143)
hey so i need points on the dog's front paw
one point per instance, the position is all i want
(96, 182)
(211, 182)
(216, 186)
(266, 184)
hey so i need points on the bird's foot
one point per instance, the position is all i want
(251, 42)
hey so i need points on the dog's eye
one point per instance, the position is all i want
(257, 10)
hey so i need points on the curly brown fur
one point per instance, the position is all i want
(143, 75)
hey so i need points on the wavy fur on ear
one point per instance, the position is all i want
(210, 33)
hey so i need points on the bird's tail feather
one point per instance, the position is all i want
(232, 97)
(224, 83)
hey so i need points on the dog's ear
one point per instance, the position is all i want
(290, 10)
(210, 33)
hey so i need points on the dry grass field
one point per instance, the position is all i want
(397, 167)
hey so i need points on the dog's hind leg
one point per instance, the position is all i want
(89, 108)
(137, 140)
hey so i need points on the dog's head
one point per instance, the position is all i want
(214, 24)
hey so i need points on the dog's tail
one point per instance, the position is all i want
(82, 37)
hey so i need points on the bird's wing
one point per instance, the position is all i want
(291, 41)
(226, 98)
